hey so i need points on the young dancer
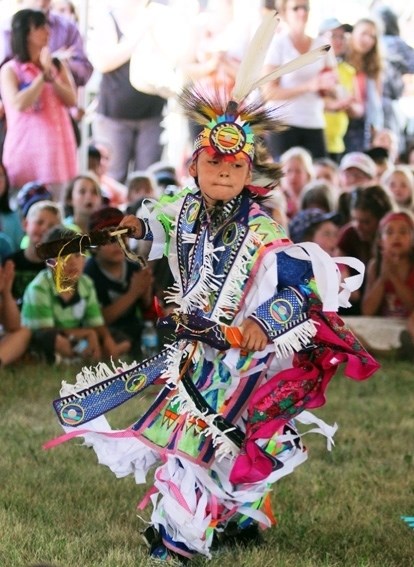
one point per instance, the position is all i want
(257, 341)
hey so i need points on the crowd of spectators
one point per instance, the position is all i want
(348, 168)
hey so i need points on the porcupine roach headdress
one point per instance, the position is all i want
(231, 124)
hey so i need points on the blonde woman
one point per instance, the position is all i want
(363, 53)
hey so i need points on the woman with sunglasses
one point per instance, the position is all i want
(299, 94)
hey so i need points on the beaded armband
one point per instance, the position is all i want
(146, 231)
(285, 320)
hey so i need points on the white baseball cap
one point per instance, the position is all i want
(360, 161)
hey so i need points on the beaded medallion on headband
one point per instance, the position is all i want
(227, 136)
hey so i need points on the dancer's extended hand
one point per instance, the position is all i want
(254, 338)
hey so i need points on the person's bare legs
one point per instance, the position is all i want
(14, 345)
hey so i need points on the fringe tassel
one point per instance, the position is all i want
(232, 290)
(295, 339)
(197, 296)
(224, 446)
(173, 362)
(92, 375)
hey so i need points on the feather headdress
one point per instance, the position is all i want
(231, 123)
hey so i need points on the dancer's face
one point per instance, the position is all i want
(219, 179)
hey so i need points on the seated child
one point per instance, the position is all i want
(14, 339)
(83, 196)
(9, 219)
(40, 218)
(98, 159)
(67, 321)
(389, 289)
(316, 225)
(320, 227)
(124, 290)
(5, 246)
(141, 185)
(32, 192)
(399, 182)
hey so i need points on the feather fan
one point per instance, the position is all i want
(253, 60)
(297, 63)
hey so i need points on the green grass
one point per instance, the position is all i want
(339, 509)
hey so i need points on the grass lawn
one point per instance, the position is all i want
(339, 509)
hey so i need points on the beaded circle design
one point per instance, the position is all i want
(281, 310)
(135, 383)
(192, 212)
(72, 414)
(230, 234)
(227, 138)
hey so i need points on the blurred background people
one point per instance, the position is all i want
(389, 289)
(83, 196)
(10, 223)
(399, 61)
(298, 93)
(37, 92)
(14, 338)
(399, 182)
(124, 289)
(297, 169)
(127, 121)
(40, 217)
(344, 101)
(368, 205)
(65, 44)
(363, 53)
(355, 170)
(65, 8)
(98, 161)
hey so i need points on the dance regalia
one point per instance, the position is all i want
(223, 428)
(229, 264)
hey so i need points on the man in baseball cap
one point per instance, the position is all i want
(331, 24)
(356, 169)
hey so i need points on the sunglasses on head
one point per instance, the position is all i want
(301, 7)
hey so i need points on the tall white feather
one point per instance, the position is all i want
(297, 63)
(253, 60)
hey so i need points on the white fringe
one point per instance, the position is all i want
(225, 447)
(92, 375)
(208, 282)
(328, 431)
(173, 361)
(294, 340)
(188, 238)
(232, 290)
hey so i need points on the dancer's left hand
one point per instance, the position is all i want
(254, 338)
